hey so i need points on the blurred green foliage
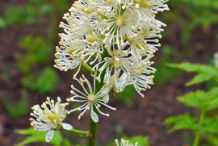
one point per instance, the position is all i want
(27, 14)
(44, 82)
(127, 95)
(22, 106)
(37, 51)
(163, 73)
(204, 126)
(191, 14)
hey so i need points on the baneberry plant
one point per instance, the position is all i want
(115, 41)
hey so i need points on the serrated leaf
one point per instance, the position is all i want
(181, 122)
(192, 99)
(204, 101)
(205, 72)
(195, 68)
(38, 136)
(210, 125)
(199, 79)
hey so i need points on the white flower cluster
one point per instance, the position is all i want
(125, 143)
(49, 117)
(117, 38)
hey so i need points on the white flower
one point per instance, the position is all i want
(122, 70)
(49, 117)
(90, 98)
(117, 61)
(125, 143)
(80, 43)
(146, 9)
(115, 37)
(116, 81)
(144, 43)
(140, 76)
(117, 24)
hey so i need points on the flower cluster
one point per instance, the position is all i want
(125, 143)
(49, 117)
(117, 38)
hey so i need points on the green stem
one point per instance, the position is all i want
(78, 132)
(89, 68)
(198, 133)
(91, 140)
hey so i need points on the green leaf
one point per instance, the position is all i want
(143, 141)
(199, 79)
(204, 101)
(66, 142)
(212, 140)
(210, 125)
(181, 122)
(205, 72)
(36, 136)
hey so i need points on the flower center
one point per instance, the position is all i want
(120, 20)
(52, 117)
(141, 45)
(92, 98)
(91, 38)
(116, 62)
(71, 50)
(142, 3)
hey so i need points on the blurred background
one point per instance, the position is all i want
(28, 36)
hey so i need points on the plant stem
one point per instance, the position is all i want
(198, 133)
(91, 140)
(78, 132)
(89, 68)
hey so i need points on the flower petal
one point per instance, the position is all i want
(94, 116)
(49, 136)
(67, 126)
(106, 98)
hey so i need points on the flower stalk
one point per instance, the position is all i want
(93, 127)
(78, 132)
(198, 133)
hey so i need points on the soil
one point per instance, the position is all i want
(144, 116)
